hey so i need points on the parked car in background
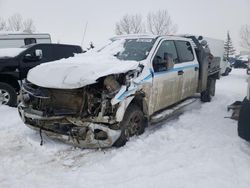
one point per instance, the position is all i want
(102, 98)
(240, 64)
(16, 62)
(16, 40)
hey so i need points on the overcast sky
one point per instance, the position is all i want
(65, 19)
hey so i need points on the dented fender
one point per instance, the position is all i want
(122, 108)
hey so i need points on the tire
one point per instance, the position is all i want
(244, 120)
(132, 115)
(206, 96)
(8, 95)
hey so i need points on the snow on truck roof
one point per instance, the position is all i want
(134, 36)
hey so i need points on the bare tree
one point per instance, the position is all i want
(15, 23)
(28, 26)
(160, 23)
(245, 36)
(129, 24)
(3, 25)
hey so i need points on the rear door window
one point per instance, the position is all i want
(184, 50)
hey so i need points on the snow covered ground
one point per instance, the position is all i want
(199, 149)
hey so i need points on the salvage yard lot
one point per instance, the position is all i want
(200, 148)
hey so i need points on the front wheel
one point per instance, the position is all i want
(133, 123)
(8, 95)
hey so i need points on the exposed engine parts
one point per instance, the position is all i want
(111, 84)
(91, 103)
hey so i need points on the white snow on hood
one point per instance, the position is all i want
(10, 52)
(81, 70)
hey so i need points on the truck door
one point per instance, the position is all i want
(166, 82)
(28, 60)
(189, 67)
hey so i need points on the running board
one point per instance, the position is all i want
(171, 111)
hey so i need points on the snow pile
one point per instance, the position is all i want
(10, 52)
(198, 149)
(81, 70)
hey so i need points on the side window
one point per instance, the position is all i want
(63, 52)
(28, 41)
(165, 52)
(185, 51)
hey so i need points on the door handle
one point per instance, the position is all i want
(196, 68)
(181, 72)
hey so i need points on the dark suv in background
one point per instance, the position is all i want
(16, 62)
(240, 64)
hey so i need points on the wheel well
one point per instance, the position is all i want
(11, 81)
(139, 100)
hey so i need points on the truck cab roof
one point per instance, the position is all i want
(135, 36)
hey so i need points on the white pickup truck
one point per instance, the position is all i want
(100, 99)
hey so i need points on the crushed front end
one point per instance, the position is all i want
(83, 117)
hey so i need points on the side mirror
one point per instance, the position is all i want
(28, 57)
(36, 56)
(39, 54)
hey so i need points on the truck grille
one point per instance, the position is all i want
(52, 101)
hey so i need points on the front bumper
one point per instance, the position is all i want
(87, 135)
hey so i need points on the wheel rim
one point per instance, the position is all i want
(4, 96)
(134, 124)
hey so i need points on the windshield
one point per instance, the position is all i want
(136, 49)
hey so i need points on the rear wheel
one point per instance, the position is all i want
(133, 123)
(7, 95)
(206, 96)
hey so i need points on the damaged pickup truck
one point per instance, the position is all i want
(102, 98)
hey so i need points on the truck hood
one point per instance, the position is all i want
(78, 71)
(10, 52)
(3, 59)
